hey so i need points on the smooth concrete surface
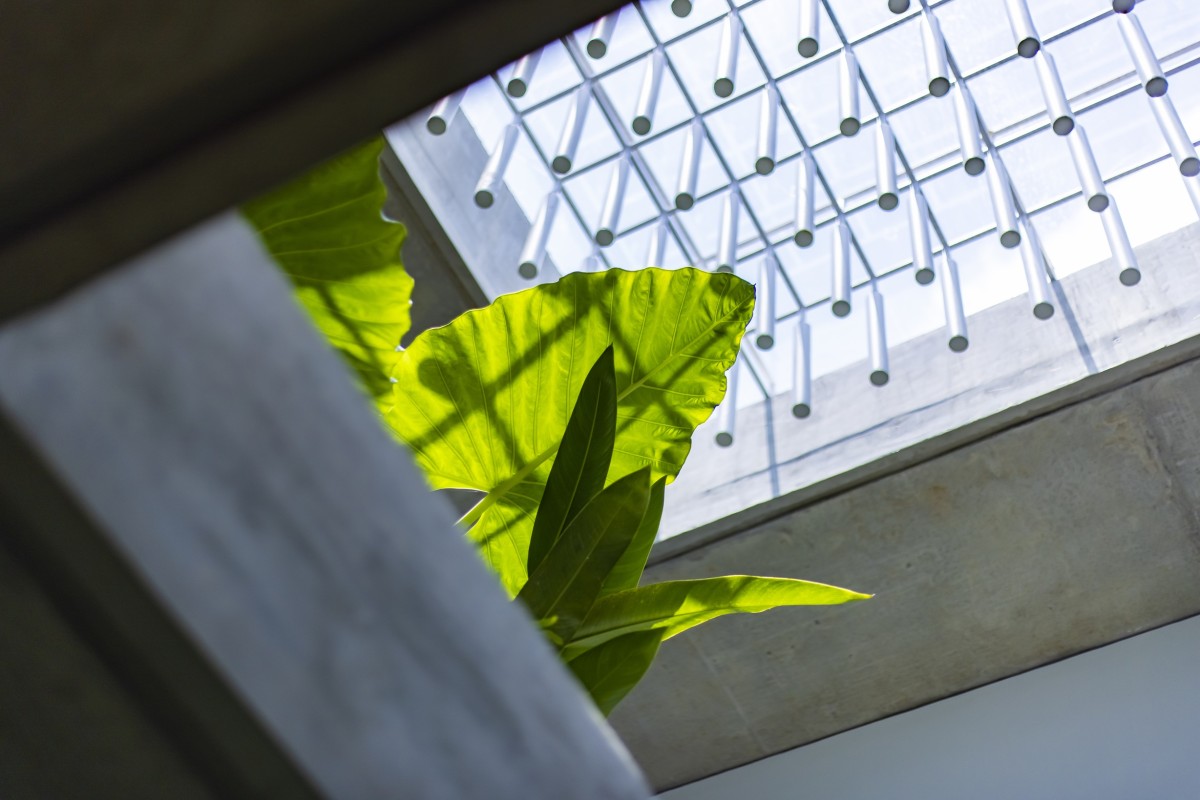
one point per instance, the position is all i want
(218, 445)
(1117, 723)
(1050, 538)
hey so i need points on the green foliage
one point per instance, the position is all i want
(584, 592)
(327, 232)
(484, 401)
(571, 405)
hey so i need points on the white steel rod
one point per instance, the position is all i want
(1149, 71)
(848, 99)
(968, 131)
(601, 34)
(731, 34)
(493, 173)
(1119, 245)
(610, 216)
(936, 70)
(809, 41)
(443, 112)
(656, 251)
(522, 74)
(765, 303)
(534, 251)
(1094, 191)
(1024, 33)
(1192, 185)
(1036, 279)
(841, 268)
(802, 371)
(877, 338)
(681, 8)
(1177, 139)
(885, 166)
(805, 197)
(727, 411)
(643, 117)
(1062, 119)
(568, 142)
(952, 304)
(689, 168)
(898, 6)
(727, 243)
(922, 247)
(1002, 203)
(768, 126)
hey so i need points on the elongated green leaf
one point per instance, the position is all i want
(628, 571)
(568, 580)
(584, 454)
(483, 402)
(610, 671)
(326, 230)
(675, 606)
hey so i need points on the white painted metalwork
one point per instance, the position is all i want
(602, 31)
(768, 126)
(568, 143)
(727, 411)
(1062, 119)
(937, 72)
(967, 124)
(643, 117)
(610, 216)
(1024, 33)
(922, 248)
(848, 103)
(522, 74)
(841, 269)
(1000, 192)
(727, 244)
(877, 339)
(731, 35)
(1178, 141)
(809, 41)
(802, 371)
(764, 304)
(952, 304)
(493, 173)
(1094, 191)
(805, 190)
(1149, 71)
(886, 193)
(1036, 279)
(1119, 245)
(534, 251)
(443, 112)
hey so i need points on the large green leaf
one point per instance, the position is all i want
(675, 606)
(566, 584)
(584, 455)
(628, 571)
(483, 402)
(609, 671)
(327, 232)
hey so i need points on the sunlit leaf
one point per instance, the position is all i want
(326, 231)
(611, 670)
(483, 402)
(584, 455)
(568, 581)
(675, 606)
(628, 571)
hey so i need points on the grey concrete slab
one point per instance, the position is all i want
(1050, 538)
(219, 446)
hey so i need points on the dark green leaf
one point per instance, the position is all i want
(567, 582)
(327, 232)
(675, 606)
(628, 571)
(581, 466)
(610, 671)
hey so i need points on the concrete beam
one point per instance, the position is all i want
(1068, 531)
(131, 124)
(215, 450)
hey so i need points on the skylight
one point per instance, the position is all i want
(781, 139)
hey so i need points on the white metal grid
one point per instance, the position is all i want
(628, 156)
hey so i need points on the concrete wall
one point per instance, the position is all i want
(1116, 723)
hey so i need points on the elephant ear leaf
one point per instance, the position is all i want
(567, 582)
(484, 401)
(580, 470)
(610, 671)
(327, 232)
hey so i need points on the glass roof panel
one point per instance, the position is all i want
(1096, 71)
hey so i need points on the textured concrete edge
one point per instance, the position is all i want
(1085, 389)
